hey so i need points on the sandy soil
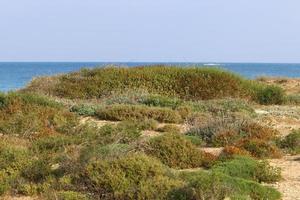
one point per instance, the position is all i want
(290, 185)
(284, 119)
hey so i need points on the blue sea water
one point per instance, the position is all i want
(15, 75)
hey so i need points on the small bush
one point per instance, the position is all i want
(249, 168)
(270, 95)
(86, 110)
(117, 134)
(267, 173)
(257, 131)
(230, 152)
(134, 176)
(37, 171)
(4, 182)
(194, 139)
(177, 152)
(215, 129)
(162, 101)
(291, 142)
(127, 112)
(52, 143)
(223, 106)
(12, 158)
(260, 148)
(103, 152)
(140, 124)
(34, 116)
(210, 185)
(170, 128)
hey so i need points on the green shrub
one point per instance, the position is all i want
(37, 171)
(140, 124)
(127, 112)
(208, 185)
(118, 133)
(267, 173)
(223, 106)
(170, 128)
(86, 110)
(291, 142)
(177, 152)
(260, 148)
(218, 127)
(135, 176)
(162, 101)
(4, 182)
(3, 100)
(52, 143)
(103, 152)
(12, 158)
(249, 168)
(34, 116)
(270, 95)
(194, 139)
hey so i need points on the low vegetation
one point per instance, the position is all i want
(291, 143)
(239, 137)
(139, 133)
(184, 83)
(127, 112)
(177, 152)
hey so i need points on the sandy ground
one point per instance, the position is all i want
(284, 119)
(290, 185)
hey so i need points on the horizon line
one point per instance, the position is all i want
(155, 62)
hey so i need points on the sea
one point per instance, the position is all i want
(16, 75)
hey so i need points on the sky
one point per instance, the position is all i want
(150, 30)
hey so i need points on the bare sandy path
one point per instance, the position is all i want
(290, 185)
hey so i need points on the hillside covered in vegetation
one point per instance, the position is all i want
(141, 133)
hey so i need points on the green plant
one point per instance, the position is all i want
(194, 139)
(52, 143)
(129, 112)
(260, 148)
(177, 152)
(134, 176)
(291, 142)
(270, 95)
(37, 171)
(4, 184)
(212, 185)
(170, 128)
(195, 83)
(103, 152)
(32, 116)
(162, 101)
(249, 168)
(83, 109)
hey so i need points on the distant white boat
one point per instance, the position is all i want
(212, 64)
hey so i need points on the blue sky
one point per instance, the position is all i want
(150, 30)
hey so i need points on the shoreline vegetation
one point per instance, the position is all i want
(143, 133)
